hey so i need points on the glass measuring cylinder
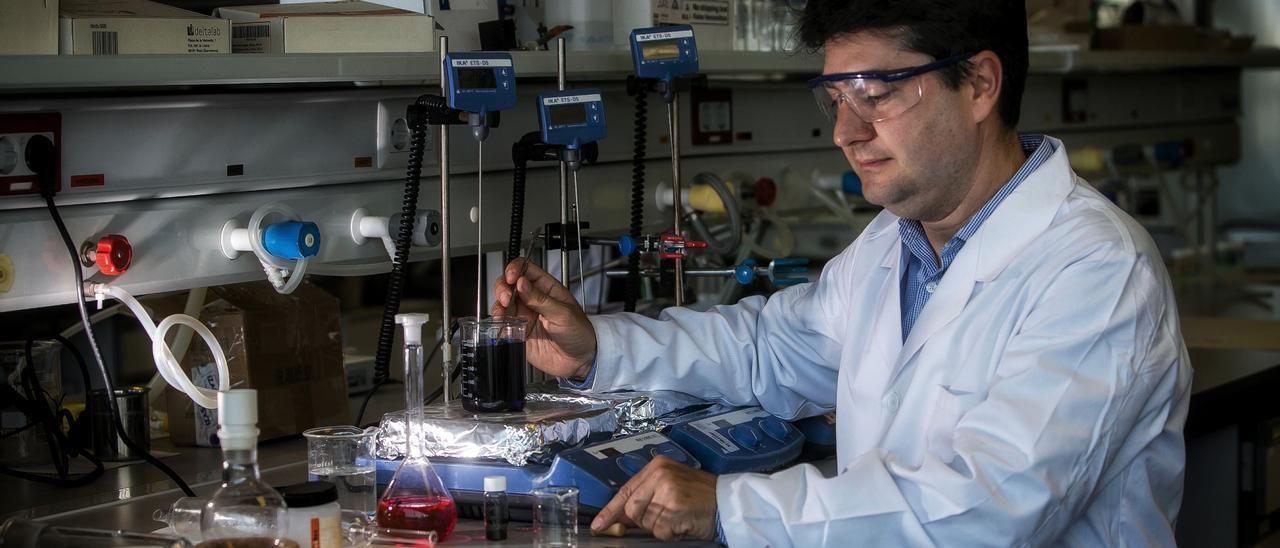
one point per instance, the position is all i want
(493, 364)
(343, 456)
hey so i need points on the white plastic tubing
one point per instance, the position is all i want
(166, 363)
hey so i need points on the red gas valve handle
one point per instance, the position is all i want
(113, 255)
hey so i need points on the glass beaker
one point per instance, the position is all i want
(343, 456)
(493, 363)
(415, 498)
(21, 443)
(555, 516)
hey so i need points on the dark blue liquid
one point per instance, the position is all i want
(493, 377)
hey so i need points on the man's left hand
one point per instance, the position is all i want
(670, 499)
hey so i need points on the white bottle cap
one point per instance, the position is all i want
(495, 484)
(238, 419)
(412, 327)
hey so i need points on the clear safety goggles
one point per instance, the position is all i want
(875, 96)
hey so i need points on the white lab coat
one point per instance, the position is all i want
(1039, 398)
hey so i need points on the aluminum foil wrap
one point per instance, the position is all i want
(638, 412)
(550, 421)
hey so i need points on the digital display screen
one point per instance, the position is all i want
(476, 78)
(568, 115)
(657, 51)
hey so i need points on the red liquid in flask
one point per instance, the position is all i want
(419, 512)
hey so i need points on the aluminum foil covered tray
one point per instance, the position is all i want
(551, 420)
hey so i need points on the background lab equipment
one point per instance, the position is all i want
(213, 200)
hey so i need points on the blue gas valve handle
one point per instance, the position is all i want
(626, 245)
(745, 273)
(292, 239)
(779, 270)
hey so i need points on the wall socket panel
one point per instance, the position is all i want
(16, 130)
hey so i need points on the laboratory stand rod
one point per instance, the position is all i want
(564, 172)
(673, 111)
(446, 349)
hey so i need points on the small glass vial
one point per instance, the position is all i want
(315, 519)
(495, 508)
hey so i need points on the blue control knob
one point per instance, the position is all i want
(745, 273)
(775, 428)
(632, 463)
(626, 245)
(292, 239)
(745, 435)
(672, 452)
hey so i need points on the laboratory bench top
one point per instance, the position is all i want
(126, 497)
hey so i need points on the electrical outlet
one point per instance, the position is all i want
(394, 136)
(16, 130)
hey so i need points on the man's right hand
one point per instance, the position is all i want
(560, 340)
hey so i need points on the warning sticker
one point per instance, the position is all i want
(615, 449)
(711, 427)
(691, 12)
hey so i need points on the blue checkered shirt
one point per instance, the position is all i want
(922, 271)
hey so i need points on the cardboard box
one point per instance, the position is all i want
(124, 27)
(712, 20)
(288, 347)
(327, 27)
(1168, 38)
(28, 27)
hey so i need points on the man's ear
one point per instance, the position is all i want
(985, 80)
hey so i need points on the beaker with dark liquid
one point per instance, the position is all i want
(493, 364)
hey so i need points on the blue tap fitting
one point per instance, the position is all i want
(292, 239)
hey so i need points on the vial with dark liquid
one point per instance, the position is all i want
(495, 508)
(493, 364)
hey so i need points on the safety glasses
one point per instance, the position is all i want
(875, 96)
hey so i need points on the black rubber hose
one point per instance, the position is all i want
(97, 354)
(404, 238)
(639, 144)
(520, 157)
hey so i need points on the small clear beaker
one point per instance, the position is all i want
(492, 359)
(555, 516)
(343, 456)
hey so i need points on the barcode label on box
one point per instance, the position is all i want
(106, 42)
(245, 32)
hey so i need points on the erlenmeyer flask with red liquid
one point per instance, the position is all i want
(416, 499)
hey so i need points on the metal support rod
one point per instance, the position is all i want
(564, 170)
(673, 112)
(698, 273)
(446, 348)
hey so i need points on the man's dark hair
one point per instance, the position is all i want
(939, 28)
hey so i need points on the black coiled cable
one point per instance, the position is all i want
(639, 145)
(520, 158)
(417, 117)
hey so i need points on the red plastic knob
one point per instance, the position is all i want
(766, 192)
(114, 255)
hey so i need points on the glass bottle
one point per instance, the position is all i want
(245, 507)
(495, 508)
(416, 499)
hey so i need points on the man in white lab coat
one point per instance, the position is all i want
(1000, 345)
